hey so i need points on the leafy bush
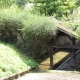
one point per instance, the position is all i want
(31, 32)
(6, 3)
(37, 32)
(10, 23)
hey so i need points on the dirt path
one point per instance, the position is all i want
(53, 75)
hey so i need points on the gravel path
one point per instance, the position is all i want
(69, 71)
(54, 75)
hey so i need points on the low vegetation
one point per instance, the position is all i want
(13, 61)
(73, 21)
(37, 32)
(29, 32)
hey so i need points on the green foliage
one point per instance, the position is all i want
(37, 32)
(30, 33)
(10, 23)
(6, 3)
(31, 1)
(13, 61)
(21, 3)
(78, 2)
(74, 21)
(57, 7)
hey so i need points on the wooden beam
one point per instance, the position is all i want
(54, 51)
(73, 50)
(51, 57)
(66, 46)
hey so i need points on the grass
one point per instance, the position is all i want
(12, 61)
